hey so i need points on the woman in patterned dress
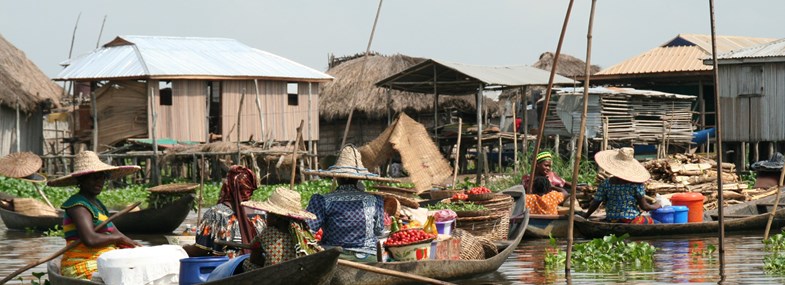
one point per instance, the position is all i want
(624, 192)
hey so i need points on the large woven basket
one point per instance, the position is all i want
(442, 194)
(482, 226)
(502, 205)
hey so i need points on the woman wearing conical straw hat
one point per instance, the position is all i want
(624, 192)
(349, 217)
(84, 211)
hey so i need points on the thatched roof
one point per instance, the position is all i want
(336, 96)
(20, 76)
(568, 66)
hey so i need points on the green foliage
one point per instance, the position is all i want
(57, 231)
(608, 254)
(748, 177)
(467, 183)
(698, 252)
(775, 242)
(37, 280)
(554, 257)
(458, 206)
(774, 263)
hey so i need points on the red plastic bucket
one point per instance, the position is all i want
(693, 201)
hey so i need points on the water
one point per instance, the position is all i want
(678, 260)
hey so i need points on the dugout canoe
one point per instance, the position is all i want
(311, 269)
(437, 269)
(545, 226)
(749, 216)
(147, 221)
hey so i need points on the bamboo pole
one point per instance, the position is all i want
(94, 107)
(17, 131)
(203, 168)
(259, 108)
(67, 247)
(100, 32)
(310, 129)
(46, 199)
(156, 175)
(479, 152)
(718, 126)
(362, 72)
(577, 161)
(515, 134)
(294, 153)
(458, 154)
(239, 117)
(776, 203)
(548, 91)
(499, 158)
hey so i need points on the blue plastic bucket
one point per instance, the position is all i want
(663, 215)
(195, 270)
(680, 214)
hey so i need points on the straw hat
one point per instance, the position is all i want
(174, 188)
(282, 202)
(87, 162)
(20, 164)
(349, 165)
(622, 164)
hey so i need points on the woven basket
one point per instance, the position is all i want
(482, 226)
(473, 213)
(471, 246)
(500, 205)
(481, 197)
(33, 207)
(442, 194)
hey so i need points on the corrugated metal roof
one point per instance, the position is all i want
(683, 53)
(183, 57)
(461, 79)
(768, 50)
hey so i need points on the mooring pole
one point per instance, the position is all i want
(577, 162)
(718, 120)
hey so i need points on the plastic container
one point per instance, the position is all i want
(444, 228)
(693, 201)
(663, 215)
(416, 251)
(680, 214)
(195, 270)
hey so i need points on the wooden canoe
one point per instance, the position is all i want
(750, 216)
(438, 269)
(544, 226)
(311, 269)
(147, 221)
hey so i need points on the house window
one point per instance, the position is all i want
(751, 81)
(293, 94)
(165, 93)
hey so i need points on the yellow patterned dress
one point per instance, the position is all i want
(80, 262)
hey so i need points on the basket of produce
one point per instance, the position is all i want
(442, 194)
(409, 245)
(479, 194)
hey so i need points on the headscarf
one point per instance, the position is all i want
(544, 156)
(239, 186)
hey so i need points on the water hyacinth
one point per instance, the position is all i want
(608, 254)
(774, 263)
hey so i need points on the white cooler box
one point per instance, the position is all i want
(154, 265)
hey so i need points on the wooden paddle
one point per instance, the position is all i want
(359, 266)
(67, 247)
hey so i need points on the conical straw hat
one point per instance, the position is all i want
(622, 164)
(87, 162)
(349, 165)
(20, 164)
(282, 202)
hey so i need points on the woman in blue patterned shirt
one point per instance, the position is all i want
(349, 217)
(624, 192)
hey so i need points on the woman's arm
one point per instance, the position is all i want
(646, 206)
(592, 207)
(84, 228)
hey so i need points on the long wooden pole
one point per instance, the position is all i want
(547, 101)
(391, 272)
(100, 32)
(17, 131)
(776, 203)
(718, 125)
(457, 154)
(515, 133)
(239, 117)
(578, 154)
(46, 199)
(362, 72)
(155, 171)
(479, 154)
(203, 168)
(294, 154)
(67, 247)
(263, 136)
(94, 107)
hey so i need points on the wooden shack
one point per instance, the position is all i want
(752, 97)
(196, 88)
(376, 107)
(25, 95)
(623, 116)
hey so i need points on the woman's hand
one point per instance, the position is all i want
(126, 242)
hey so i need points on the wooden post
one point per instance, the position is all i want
(435, 109)
(156, 179)
(479, 135)
(556, 142)
(577, 162)
(604, 133)
(515, 134)
(263, 136)
(94, 107)
(776, 203)
(239, 117)
(209, 91)
(458, 154)
(294, 154)
(718, 126)
(203, 168)
(310, 130)
(18, 132)
(499, 158)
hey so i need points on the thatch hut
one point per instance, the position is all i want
(376, 107)
(25, 89)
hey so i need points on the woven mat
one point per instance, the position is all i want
(33, 207)
(420, 156)
(174, 188)
(408, 202)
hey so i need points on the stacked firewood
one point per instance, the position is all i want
(681, 173)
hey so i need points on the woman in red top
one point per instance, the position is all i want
(543, 168)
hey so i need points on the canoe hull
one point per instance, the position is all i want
(311, 269)
(544, 226)
(17, 221)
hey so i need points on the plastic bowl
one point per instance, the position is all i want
(411, 252)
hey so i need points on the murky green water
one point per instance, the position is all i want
(675, 261)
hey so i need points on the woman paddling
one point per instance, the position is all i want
(84, 211)
(623, 193)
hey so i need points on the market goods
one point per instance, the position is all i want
(407, 237)
(478, 190)
(459, 196)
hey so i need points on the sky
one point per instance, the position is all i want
(481, 32)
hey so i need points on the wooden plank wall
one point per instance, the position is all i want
(281, 119)
(641, 119)
(122, 112)
(30, 131)
(185, 119)
(756, 117)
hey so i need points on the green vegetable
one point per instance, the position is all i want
(608, 254)
(457, 206)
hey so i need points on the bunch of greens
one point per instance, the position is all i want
(774, 263)
(457, 206)
(608, 254)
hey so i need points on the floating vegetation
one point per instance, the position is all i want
(607, 254)
(774, 263)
